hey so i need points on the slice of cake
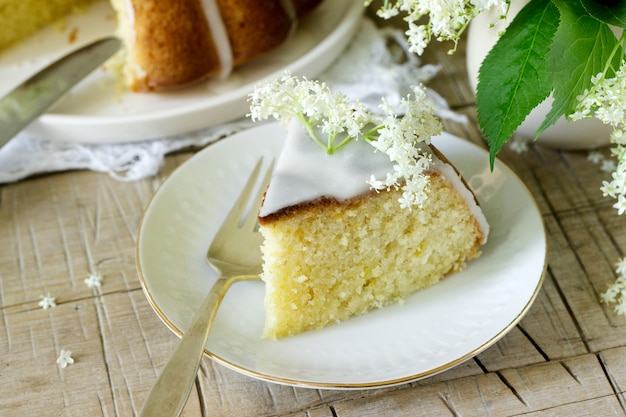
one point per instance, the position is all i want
(334, 246)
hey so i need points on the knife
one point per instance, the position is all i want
(31, 98)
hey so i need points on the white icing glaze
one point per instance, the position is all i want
(455, 180)
(216, 27)
(130, 21)
(220, 36)
(304, 172)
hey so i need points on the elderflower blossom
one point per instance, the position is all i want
(616, 292)
(447, 19)
(47, 301)
(93, 280)
(319, 109)
(399, 138)
(314, 105)
(606, 100)
(65, 358)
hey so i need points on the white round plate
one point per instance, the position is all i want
(433, 330)
(98, 110)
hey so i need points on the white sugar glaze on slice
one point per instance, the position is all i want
(220, 34)
(455, 180)
(304, 172)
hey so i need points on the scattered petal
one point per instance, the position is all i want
(65, 358)
(47, 301)
(94, 280)
(436, 19)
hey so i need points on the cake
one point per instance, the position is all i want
(22, 18)
(171, 44)
(338, 242)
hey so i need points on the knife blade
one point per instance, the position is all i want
(32, 97)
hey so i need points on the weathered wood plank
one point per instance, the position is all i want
(567, 357)
(614, 361)
(136, 345)
(55, 233)
(549, 325)
(547, 388)
(30, 380)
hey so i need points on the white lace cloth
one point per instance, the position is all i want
(367, 70)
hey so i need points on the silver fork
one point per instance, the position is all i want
(236, 255)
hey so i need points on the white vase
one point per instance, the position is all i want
(582, 134)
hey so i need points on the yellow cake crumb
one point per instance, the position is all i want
(21, 18)
(325, 263)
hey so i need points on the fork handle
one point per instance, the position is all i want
(171, 390)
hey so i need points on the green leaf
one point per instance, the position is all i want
(513, 78)
(609, 12)
(581, 49)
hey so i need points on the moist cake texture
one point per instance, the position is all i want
(21, 18)
(327, 258)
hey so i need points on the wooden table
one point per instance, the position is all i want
(567, 357)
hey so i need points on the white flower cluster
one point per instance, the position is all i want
(399, 139)
(616, 293)
(606, 100)
(319, 109)
(314, 105)
(65, 358)
(47, 301)
(93, 280)
(447, 19)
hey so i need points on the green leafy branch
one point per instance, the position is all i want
(551, 47)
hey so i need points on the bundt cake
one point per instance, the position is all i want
(175, 43)
(170, 44)
(334, 247)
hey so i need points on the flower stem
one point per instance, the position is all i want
(309, 128)
(343, 143)
(370, 135)
(619, 46)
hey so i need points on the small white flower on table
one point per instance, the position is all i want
(94, 280)
(65, 358)
(47, 301)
